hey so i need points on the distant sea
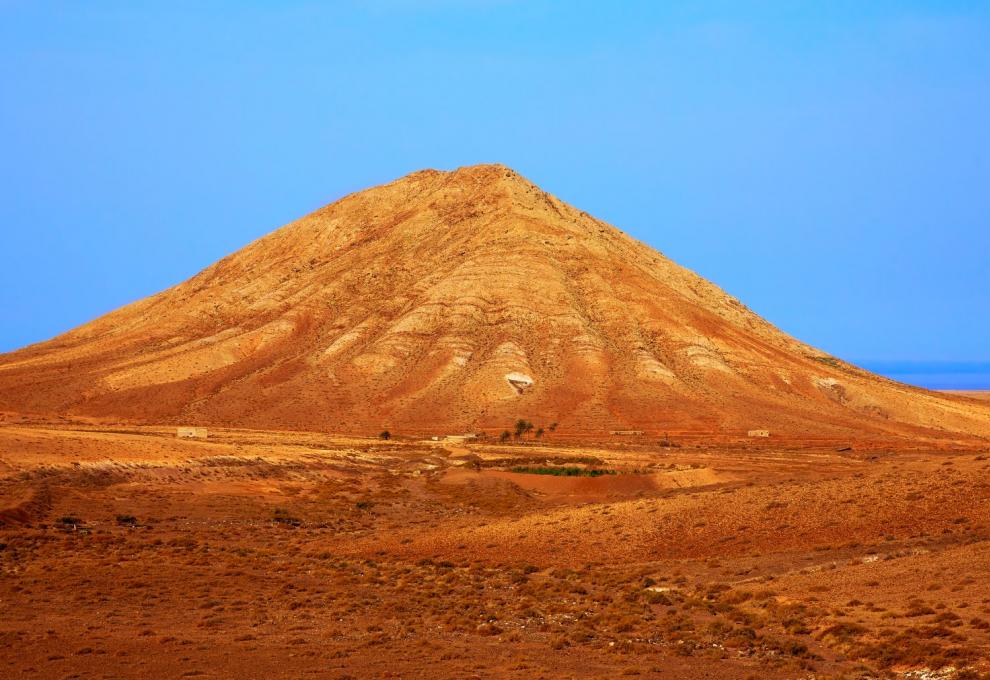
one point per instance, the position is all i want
(935, 375)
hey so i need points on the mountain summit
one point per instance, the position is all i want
(453, 301)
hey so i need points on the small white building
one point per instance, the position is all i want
(470, 436)
(758, 433)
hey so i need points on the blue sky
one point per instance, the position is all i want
(828, 163)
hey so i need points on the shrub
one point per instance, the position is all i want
(488, 629)
(658, 598)
(918, 609)
(844, 632)
(282, 516)
(385, 434)
(561, 471)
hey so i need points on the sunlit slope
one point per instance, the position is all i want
(449, 301)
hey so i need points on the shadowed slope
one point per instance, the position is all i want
(455, 300)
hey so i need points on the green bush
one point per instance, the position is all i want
(562, 471)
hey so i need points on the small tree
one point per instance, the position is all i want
(504, 437)
(553, 427)
(385, 434)
(539, 433)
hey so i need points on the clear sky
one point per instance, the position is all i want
(826, 162)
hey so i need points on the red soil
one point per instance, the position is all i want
(130, 553)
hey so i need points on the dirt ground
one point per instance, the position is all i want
(126, 552)
(972, 394)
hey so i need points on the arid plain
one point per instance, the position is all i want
(657, 482)
(128, 552)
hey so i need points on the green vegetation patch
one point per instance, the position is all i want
(569, 471)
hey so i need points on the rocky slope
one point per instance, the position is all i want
(454, 301)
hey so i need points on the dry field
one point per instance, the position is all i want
(972, 394)
(129, 553)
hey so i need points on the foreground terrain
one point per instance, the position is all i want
(127, 552)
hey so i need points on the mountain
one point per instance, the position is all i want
(453, 301)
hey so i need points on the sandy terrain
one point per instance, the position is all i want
(971, 394)
(129, 553)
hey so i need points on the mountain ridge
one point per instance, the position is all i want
(406, 306)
